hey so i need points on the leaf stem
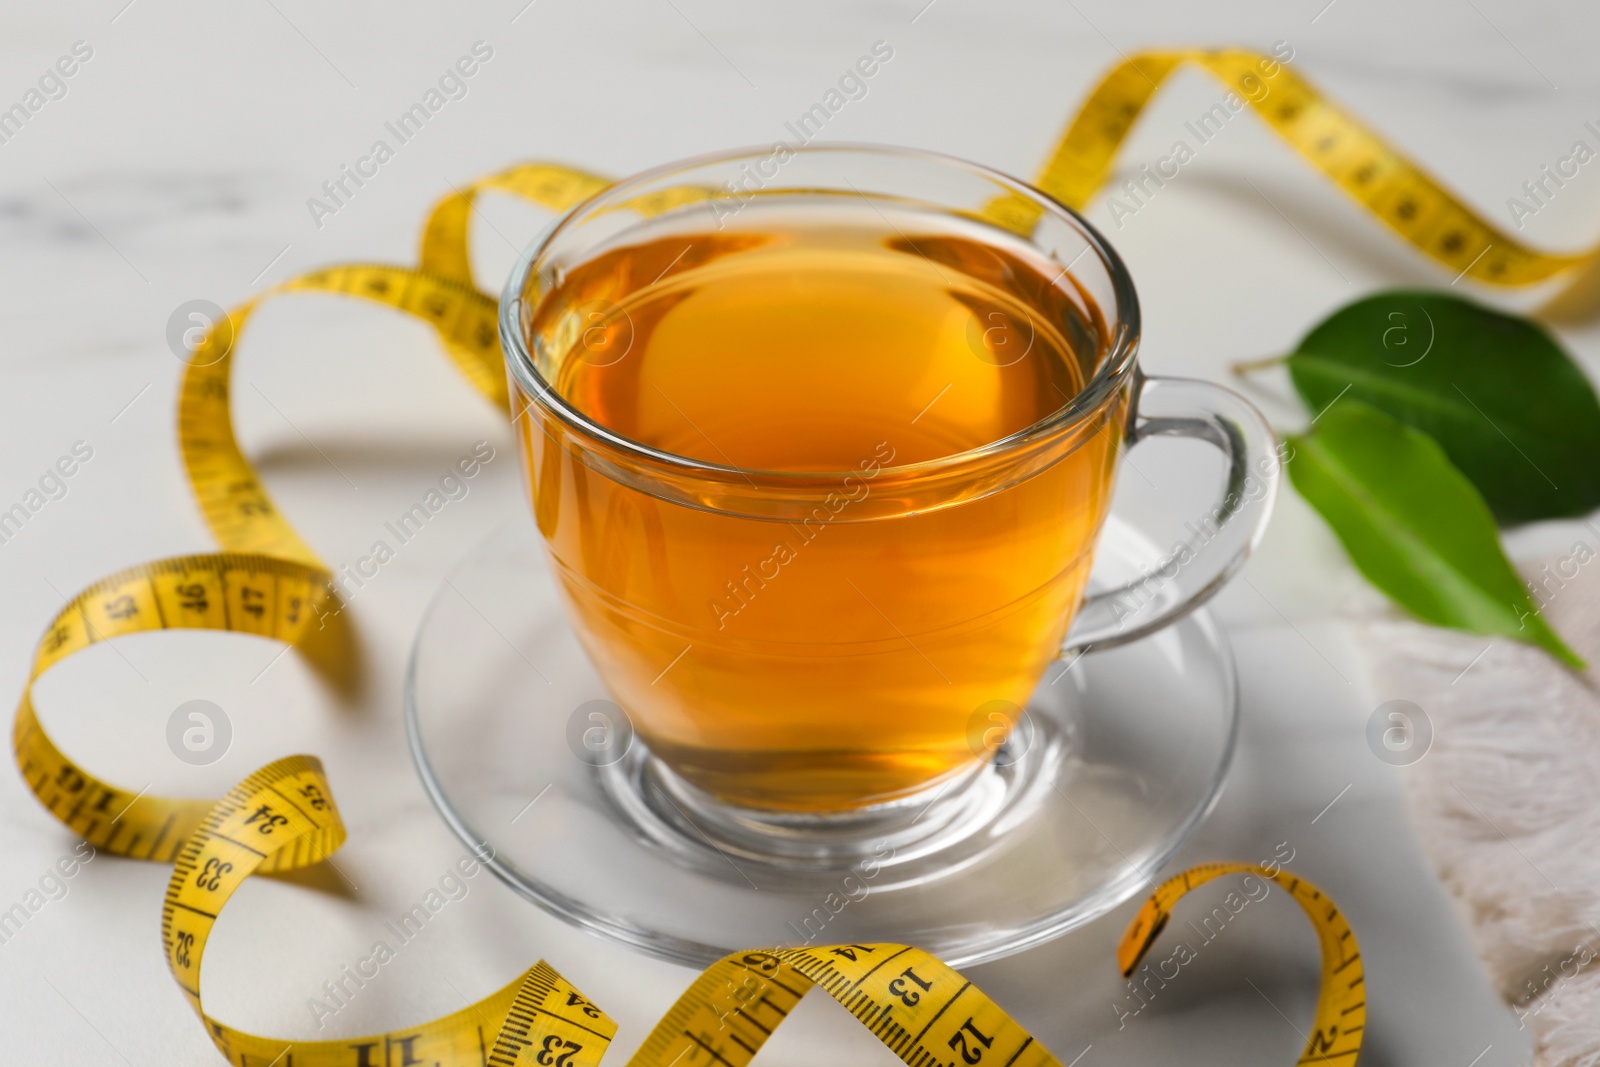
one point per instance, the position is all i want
(1250, 366)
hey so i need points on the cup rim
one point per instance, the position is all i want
(1114, 370)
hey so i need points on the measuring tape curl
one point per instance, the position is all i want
(283, 818)
(1341, 1020)
(268, 582)
(1379, 177)
(280, 818)
(926, 1013)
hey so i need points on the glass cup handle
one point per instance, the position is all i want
(1212, 548)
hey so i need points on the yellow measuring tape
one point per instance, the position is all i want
(268, 582)
(1373, 173)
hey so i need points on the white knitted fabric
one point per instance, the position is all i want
(1507, 799)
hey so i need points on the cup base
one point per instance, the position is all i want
(908, 840)
(1118, 759)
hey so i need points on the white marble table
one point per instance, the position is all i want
(178, 165)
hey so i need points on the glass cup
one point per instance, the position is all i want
(799, 649)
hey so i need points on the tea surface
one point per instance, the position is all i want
(801, 349)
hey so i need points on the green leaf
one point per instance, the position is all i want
(1414, 525)
(1512, 410)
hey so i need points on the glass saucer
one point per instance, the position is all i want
(1120, 756)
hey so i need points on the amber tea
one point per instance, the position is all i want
(830, 654)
